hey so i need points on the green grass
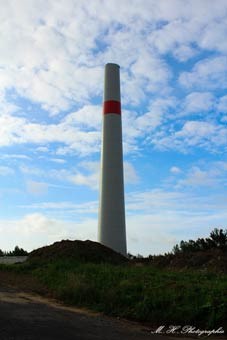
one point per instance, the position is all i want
(138, 293)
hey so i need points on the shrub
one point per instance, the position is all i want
(217, 239)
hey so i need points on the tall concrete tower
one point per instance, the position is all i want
(111, 228)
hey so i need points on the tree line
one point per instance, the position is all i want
(16, 252)
(217, 239)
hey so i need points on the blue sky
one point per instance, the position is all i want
(173, 83)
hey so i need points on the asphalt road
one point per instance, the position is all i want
(24, 316)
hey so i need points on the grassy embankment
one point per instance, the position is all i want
(141, 293)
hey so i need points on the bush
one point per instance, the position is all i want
(16, 252)
(217, 239)
(139, 293)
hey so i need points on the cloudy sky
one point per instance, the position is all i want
(173, 62)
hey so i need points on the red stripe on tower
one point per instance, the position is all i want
(112, 106)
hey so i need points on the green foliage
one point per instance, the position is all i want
(217, 239)
(176, 249)
(140, 293)
(16, 252)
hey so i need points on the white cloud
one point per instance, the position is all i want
(177, 36)
(130, 131)
(80, 143)
(153, 200)
(202, 134)
(57, 61)
(56, 82)
(36, 188)
(6, 171)
(10, 129)
(222, 165)
(47, 51)
(58, 160)
(188, 28)
(65, 207)
(156, 220)
(130, 174)
(209, 175)
(197, 177)
(158, 110)
(88, 174)
(42, 149)
(37, 230)
(184, 52)
(175, 170)
(146, 234)
(15, 156)
(154, 71)
(53, 53)
(213, 37)
(222, 105)
(18, 130)
(139, 126)
(6, 107)
(158, 232)
(197, 132)
(90, 179)
(206, 74)
(89, 116)
(28, 170)
(199, 102)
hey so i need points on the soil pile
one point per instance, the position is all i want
(211, 260)
(214, 260)
(82, 251)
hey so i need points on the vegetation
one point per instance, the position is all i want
(16, 252)
(140, 293)
(143, 292)
(217, 240)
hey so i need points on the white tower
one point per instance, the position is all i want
(111, 227)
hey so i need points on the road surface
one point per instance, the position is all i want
(25, 316)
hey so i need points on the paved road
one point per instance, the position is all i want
(24, 316)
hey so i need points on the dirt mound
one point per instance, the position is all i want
(214, 260)
(83, 251)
